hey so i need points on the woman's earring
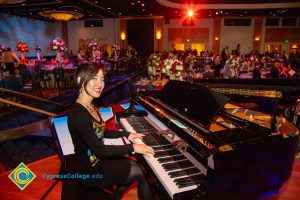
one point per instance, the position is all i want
(80, 90)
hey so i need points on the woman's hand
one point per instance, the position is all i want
(166, 132)
(143, 149)
(133, 136)
(181, 145)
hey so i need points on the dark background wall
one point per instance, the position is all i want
(141, 35)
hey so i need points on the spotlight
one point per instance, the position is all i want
(190, 13)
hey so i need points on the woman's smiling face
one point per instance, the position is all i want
(95, 86)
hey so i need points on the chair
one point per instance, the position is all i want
(24, 73)
(71, 189)
(149, 87)
(12, 83)
(44, 78)
(58, 76)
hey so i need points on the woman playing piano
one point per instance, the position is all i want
(88, 130)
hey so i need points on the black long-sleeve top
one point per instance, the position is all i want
(87, 135)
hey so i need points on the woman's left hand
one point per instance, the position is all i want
(133, 136)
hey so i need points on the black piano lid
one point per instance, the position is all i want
(195, 101)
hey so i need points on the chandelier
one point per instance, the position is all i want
(61, 15)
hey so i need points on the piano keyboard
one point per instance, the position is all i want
(178, 171)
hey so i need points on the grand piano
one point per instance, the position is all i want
(230, 152)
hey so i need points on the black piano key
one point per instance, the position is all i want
(172, 158)
(182, 164)
(159, 148)
(166, 153)
(193, 178)
(189, 183)
(184, 172)
(182, 185)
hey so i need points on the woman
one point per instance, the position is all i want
(88, 130)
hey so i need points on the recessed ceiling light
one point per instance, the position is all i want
(23, 4)
(143, 4)
(221, 11)
(75, 10)
(120, 13)
(92, 25)
(108, 8)
(226, 13)
(209, 15)
(151, 14)
(30, 13)
(132, 3)
(217, 13)
(143, 10)
(241, 15)
(96, 1)
(245, 12)
(91, 15)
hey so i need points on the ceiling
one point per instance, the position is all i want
(100, 9)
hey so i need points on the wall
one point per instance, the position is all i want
(233, 35)
(108, 34)
(199, 23)
(15, 29)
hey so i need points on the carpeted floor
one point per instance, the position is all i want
(26, 149)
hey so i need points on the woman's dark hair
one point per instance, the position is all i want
(87, 71)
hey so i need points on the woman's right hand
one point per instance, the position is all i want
(143, 149)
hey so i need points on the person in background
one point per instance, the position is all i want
(88, 131)
(8, 58)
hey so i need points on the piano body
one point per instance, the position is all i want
(228, 155)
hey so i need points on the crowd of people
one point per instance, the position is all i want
(235, 64)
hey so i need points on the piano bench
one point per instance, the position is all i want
(73, 189)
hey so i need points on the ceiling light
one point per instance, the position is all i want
(143, 4)
(190, 13)
(132, 3)
(60, 15)
(75, 10)
(108, 8)
(96, 1)
(11, 1)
